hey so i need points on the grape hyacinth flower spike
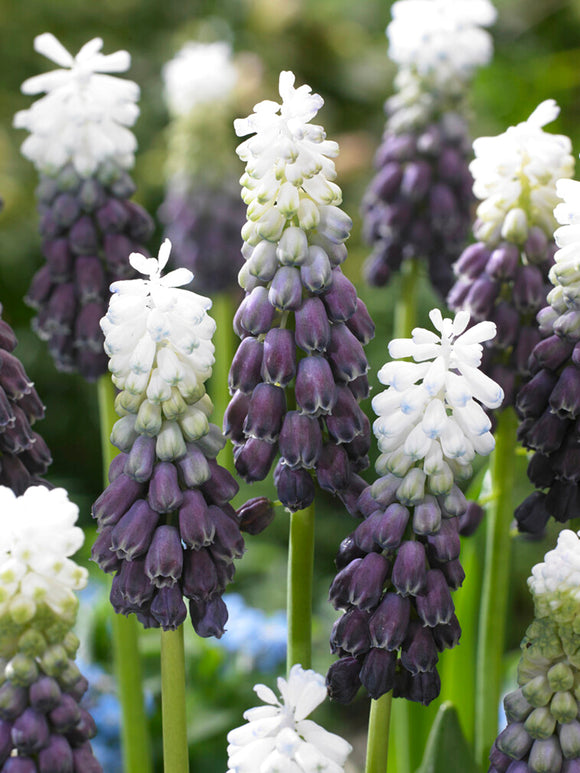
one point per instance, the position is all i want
(548, 403)
(399, 566)
(543, 731)
(202, 211)
(82, 147)
(43, 725)
(24, 456)
(166, 527)
(302, 326)
(418, 204)
(278, 736)
(504, 275)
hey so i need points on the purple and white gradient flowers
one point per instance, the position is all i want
(24, 456)
(202, 211)
(278, 736)
(82, 147)
(418, 204)
(543, 732)
(166, 527)
(548, 402)
(504, 275)
(301, 322)
(42, 724)
(396, 570)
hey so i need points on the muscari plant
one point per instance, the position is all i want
(167, 529)
(418, 205)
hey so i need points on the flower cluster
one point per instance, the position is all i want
(24, 456)
(43, 727)
(543, 731)
(396, 570)
(504, 275)
(202, 211)
(549, 403)
(301, 322)
(82, 147)
(418, 204)
(278, 736)
(165, 522)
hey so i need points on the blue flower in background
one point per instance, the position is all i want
(258, 639)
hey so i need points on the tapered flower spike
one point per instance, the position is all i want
(397, 569)
(301, 322)
(42, 722)
(82, 146)
(418, 204)
(278, 736)
(202, 211)
(504, 275)
(543, 732)
(548, 402)
(166, 527)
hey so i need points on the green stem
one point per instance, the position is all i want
(299, 604)
(223, 313)
(175, 749)
(495, 590)
(378, 736)
(134, 730)
(406, 307)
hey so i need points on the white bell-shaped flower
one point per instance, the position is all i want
(84, 115)
(37, 537)
(279, 737)
(515, 176)
(431, 413)
(159, 340)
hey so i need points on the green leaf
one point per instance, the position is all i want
(447, 751)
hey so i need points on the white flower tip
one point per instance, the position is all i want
(546, 112)
(50, 47)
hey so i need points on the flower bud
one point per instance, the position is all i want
(168, 607)
(285, 293)
(315, 389)
(57, 756)
(44, 694)
(196, 527)
(343, 680)
(30, 732)
(65, 715)
(164, 560)
(246, 366)
(389, 622)
(427, 516)
(293, 247)
(13, 701)
(341, 300)
(514, 741)
(563, 706)
(316, 272)
(235, 415)
(132, 535)
(265, 412)
(254, 458)
(545, 755)
(279, 362)
(418, 652)
(255, 515)
(350, 633)
(345, 354)
(345, 422)
(312, 332)
(221, 486)
(164, 495)
(333, 468)
(378, 672)
(569, 735)
(295, 487)
(445, 544)
(409, 571)
(256, 313)
(515, 226)
(538, 691)
(209, 618)
(300, 441)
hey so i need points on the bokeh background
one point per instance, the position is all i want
(339, 48)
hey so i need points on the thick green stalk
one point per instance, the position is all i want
(378, 735)
(134, 729)
(406, 307)
(299, 589)
(495, 590)
(175, 749)
(223, 312)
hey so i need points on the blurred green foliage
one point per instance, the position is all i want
(339, 48)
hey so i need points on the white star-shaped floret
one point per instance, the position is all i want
(278, 736)
(84, 115)
(432, 411)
